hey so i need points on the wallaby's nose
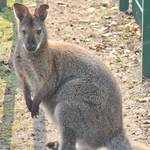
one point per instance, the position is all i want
(31, 46)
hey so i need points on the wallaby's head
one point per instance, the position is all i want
(31, 28)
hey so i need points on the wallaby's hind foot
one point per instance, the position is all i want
(52, 145)
(119, 142)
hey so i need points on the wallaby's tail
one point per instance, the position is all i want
(119, 142)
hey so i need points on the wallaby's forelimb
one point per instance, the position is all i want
(27, 95)
(45, 92)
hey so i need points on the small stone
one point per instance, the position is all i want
(107, 17)
(138, 132)
(91, 10)
(140, 111)
(61, 3)
(125, 115)
(32, 134)
(71, 25)
(144, 100)
(87, 40)
(146, 122)
(113, 23)
(128, 125)
(94, 23)
(104, 4)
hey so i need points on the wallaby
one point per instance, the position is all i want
(74, 86)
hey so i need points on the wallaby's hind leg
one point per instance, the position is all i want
(65, 115)
(119, 142)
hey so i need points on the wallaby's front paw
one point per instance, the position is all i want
(35, 111)
(29, 105)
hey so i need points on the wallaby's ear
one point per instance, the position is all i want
(21, 11)
(41, 12)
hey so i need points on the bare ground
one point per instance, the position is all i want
(99, 27)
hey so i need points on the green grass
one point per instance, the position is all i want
(7, 21)
(6, 27)
(10, 2)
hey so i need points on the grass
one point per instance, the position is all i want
(10, 2)
(6, 32)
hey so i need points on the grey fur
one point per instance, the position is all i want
(77, 91)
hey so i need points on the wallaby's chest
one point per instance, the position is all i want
(36, 71)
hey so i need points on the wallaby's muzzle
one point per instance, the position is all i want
(31, 45)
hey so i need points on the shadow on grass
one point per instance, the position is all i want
(9, 99)
(8, 107)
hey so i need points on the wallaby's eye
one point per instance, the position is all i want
(39, 31)
(23, 32)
